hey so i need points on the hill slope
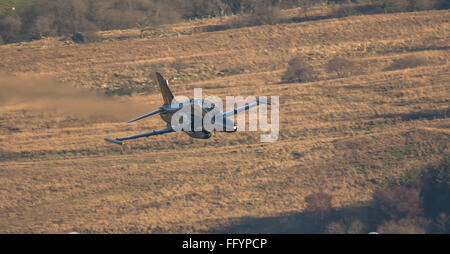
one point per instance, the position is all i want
(344, 136)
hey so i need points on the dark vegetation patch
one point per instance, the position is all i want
(417, 115)
(84, 37)
(299, 70)
(342, 67)
(24, 20)
(419, 205)
(406, 62)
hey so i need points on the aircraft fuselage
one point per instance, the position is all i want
(168, 113)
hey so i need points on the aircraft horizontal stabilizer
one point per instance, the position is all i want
(147, 115)
(115, 141)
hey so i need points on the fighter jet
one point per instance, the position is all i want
(171, 107)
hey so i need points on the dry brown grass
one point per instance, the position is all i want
(347, 135)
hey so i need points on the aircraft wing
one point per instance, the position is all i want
(145, 134)
(251, 105)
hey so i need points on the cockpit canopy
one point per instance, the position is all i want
(205, 103)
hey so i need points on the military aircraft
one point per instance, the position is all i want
(171, 107)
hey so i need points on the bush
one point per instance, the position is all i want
(398, 202)
(404, 226)
(305, 5)
(86, 37)
(356, 227)
(336, 227)
(436, 189)
(406, 62)
(243, 6)
(265, 15)
(441, 224)
(260, 15)
(346, 226)
(45, 26)
(299, 70)
(420, 5)
(395, 5)
(205, 8)
(402, 207)
(10, 28)
(343, 11)
(319, 204)
(409, 5)
(342, 66)
(440, 175)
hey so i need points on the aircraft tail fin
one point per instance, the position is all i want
(165, 91)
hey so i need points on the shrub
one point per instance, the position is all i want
(441, 173)
(305, 5)
(343, 11)
(86, 37)
(398, 202)
(265, 15)
(356, 227)
(420, 5)
(243, 6)
(60, 17)
(10, 28)
(299, 70)
(436, 188)
(441, 224)
(406, 62)
(352, 10)
(395, 5)
(319, 204)
(342, 66)
(346, 226)
(205, 8)
(409, 5)
(78, 38)
(336, 227)
(261, 14)
(404, 226)
(45, 26)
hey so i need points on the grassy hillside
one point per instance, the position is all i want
(343, 136)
